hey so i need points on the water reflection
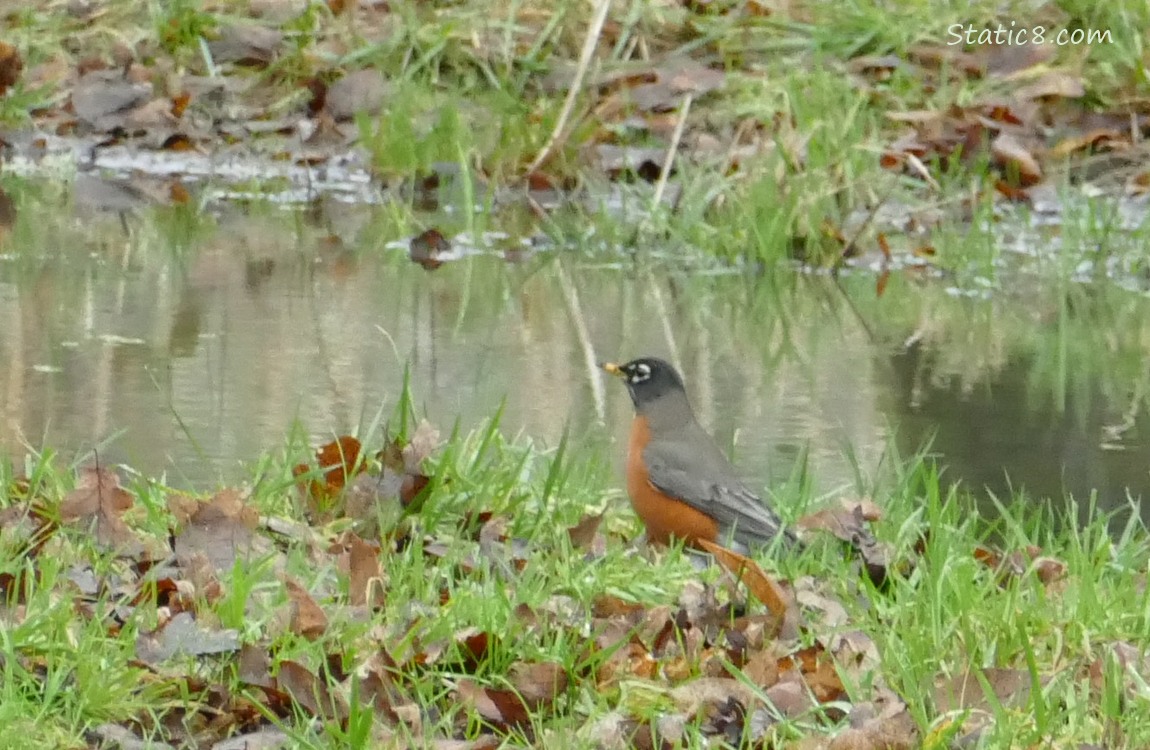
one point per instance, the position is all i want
(186, 346)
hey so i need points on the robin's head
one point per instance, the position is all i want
(649, 381)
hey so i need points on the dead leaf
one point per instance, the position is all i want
(848, 521)
(361, 91)
(184, 636)
(882, 724)
(1011, 155)
(1053, 84)
(841, 519)
(503, 708)
(427, 248)
(585, 535)
(253, 666)
(222, 529)
(98, 504)
(121, 738)
(307, 619)
(310, 691)
(102, 98)
(539, 683)
(11, 65)
(246, 44)
(365, 587)
(1017, 563)
(269, 738)
(964, 692)
(817, 669)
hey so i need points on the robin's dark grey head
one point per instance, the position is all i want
(649, 380)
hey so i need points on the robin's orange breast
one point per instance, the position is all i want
(663, 515)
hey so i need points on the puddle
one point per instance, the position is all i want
(186, 346)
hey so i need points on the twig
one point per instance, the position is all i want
(669, 159)
(589, 44)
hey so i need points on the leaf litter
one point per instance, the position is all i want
(736, 660)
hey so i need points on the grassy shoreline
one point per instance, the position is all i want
(803, 117)
(1055, 627)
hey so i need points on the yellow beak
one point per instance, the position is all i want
(613, 368)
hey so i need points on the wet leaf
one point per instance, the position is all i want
(427, 248)
(98, 504)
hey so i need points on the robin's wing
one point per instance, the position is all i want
(698, 473)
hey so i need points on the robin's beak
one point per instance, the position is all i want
(613, 368)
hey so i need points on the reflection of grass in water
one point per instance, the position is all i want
(1075, 337)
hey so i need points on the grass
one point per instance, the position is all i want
(65, 672)
(67, 663)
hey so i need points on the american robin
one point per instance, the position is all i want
(681, 485)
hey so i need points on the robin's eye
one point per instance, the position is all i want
(640, 373)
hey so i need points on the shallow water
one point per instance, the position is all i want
(186, 344)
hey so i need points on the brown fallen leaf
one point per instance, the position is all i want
(361, 91)
(338, 461)
(253, 666)
(539, 684)
(183, 635)
(1053, 84)
(246, 44)
(840, 519)
(11, 65)
(98, 504)
(427, 248)
(1012, 155)
(222, 529)
(964, 692)
(365, 584)
(585, 534)
(310, 691)
(103, 98)
(307, 619)
(502, 708)
(817, 669)
(848, 521)
(1016, 564)
(883, 724)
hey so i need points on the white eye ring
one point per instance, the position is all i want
(642, 372)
